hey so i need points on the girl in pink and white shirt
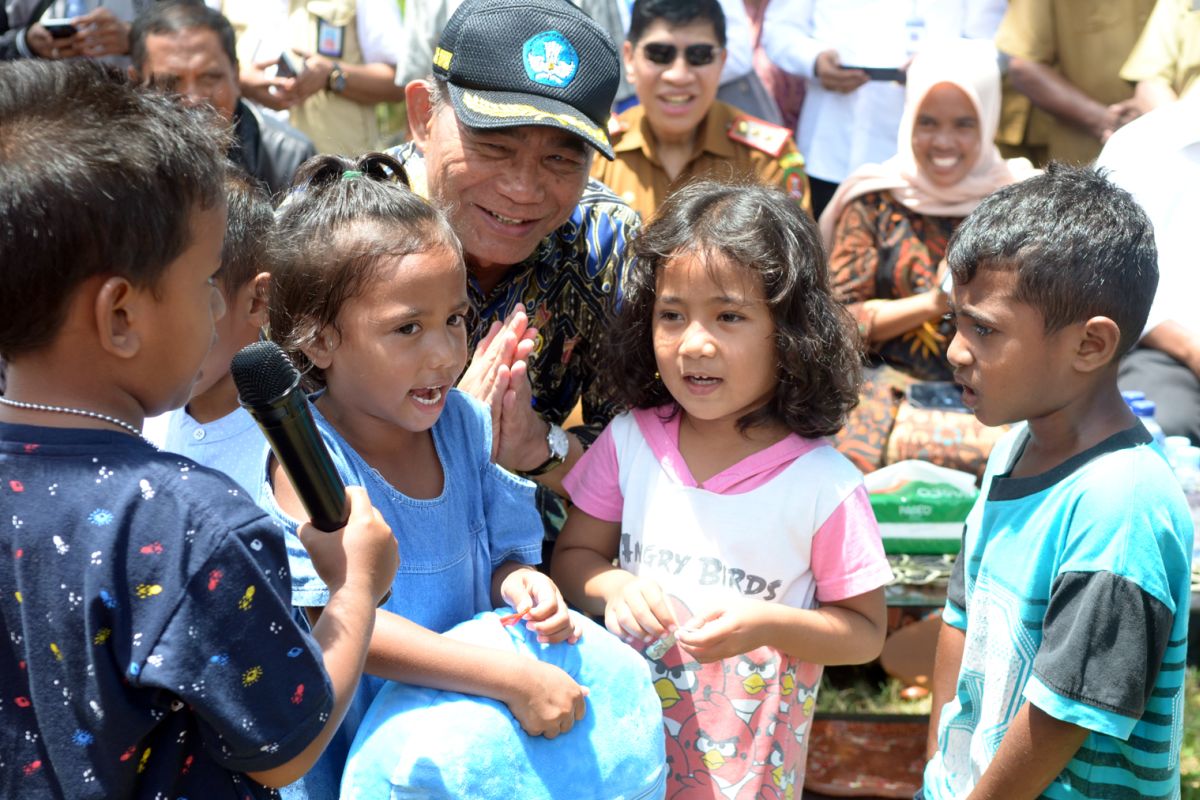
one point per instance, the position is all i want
(748, 553)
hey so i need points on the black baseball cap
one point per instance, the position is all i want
(530, 62)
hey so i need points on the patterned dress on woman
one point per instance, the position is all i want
(886, 251)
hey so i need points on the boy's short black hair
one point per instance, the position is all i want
(96, 178)
(1080, 245)
(249, 246)
(676, 13)
(169, 17)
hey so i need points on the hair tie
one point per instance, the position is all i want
(351, 174)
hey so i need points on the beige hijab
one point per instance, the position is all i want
(972, 67)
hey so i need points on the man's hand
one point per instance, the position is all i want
(46, 46)
(521, 438)
(274, 93)
(100, 33)
(487, 376)
(828, 69)
(313, 79)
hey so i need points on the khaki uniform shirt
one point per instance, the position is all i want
(1087, 42)
(334, 123)
(1169, 49)
(730, 146)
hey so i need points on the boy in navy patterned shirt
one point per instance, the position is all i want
(148, 648)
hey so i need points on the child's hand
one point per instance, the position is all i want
(546, 701)
(364, 553)
(722, 632)
(533, 594)
(640, 611)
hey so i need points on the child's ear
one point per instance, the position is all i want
(260, 293)
(117, 306)
(320, 350)
(1098, 344)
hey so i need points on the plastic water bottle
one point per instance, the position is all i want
(1188, 472)
(1131, 396)
(1145, 409)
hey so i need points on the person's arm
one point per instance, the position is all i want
(849, 631)
(1177, 341)
(357, 563)
(632, 607)
(787, 36)
(947, 662)
(1152, 63)
(544, 700)
(1036, 748)
(1050, 91)
(365, 83)
(853, 264)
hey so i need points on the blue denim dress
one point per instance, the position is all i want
(449, 545)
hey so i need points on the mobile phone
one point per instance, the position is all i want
(937, 395)
(881, 73)
(290, 65)
(60, 28)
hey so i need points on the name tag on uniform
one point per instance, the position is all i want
(329, 39)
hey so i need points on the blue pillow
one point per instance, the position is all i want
(417, 742)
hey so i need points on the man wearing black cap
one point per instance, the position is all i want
(503, 134)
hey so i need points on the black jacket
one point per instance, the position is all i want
(269, 150)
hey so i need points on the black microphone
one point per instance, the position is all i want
(268, 385)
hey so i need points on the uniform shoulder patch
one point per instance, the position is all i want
(759, 134)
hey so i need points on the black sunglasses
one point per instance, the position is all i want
(697, 55)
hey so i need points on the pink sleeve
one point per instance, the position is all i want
(594, 484)
(847, 551)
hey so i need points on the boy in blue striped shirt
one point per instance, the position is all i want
(1060, 663)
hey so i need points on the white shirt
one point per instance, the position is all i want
(838, 133)
(377, 22)
(1156, 158)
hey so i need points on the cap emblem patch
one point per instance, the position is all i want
(550, 59)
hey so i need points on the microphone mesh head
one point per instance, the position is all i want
(262, 373)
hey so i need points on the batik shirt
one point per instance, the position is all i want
(148, 649)
(1073, 590)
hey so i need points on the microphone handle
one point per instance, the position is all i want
(293, 436)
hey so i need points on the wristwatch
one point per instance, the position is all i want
(337, 79)
(559, 445)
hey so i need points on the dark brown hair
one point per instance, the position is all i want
(766, 233)
(341, 221)
(97, 177)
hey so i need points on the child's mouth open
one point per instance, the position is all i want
(702, 384)
(428, 396)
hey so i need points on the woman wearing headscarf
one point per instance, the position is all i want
(887, 229)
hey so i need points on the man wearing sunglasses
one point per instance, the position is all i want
(504, 133)
(680, 132)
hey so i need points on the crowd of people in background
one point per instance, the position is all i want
(583, 267)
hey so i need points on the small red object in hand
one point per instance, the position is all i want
(514, 618)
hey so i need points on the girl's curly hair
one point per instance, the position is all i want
(817, 349)
(341, 221)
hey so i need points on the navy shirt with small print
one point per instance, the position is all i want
(147, 648)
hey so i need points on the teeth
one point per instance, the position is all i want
(949, 161)
(677, 100)
(427, 397)
(702, 379)
(506, 220)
